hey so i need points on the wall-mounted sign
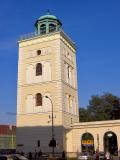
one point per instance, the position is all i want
(87, 142)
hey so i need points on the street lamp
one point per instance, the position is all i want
(52, 142)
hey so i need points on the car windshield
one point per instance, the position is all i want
(19, 157)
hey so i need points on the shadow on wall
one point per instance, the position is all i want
(38, 138)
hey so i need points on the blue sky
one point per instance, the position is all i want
(93, 24)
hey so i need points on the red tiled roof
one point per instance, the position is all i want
(7, 130)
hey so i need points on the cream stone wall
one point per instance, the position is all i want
(31, 72)
(31, 105)
(69, 86)
(56, 50)
(51, 88)
(98, 128)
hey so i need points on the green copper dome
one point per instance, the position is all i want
(48, 16)
(47, 23)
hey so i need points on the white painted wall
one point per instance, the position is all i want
(71, 79)
(66, 103)
(47, 71)
(31, 73)
(70, 104)
(46, 103)
(31, 104)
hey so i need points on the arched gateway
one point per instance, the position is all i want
(87, 143)
(110, 143)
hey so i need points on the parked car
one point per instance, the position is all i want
(101, 155)
(83, 156)
(6, 157)
(12, 157)
(19, 157)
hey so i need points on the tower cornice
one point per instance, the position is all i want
(33, 36)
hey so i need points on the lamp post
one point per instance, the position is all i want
(53, 140)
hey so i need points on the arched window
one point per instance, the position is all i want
(68, 71)
(38, 52)
(87, 143)
(38, 69)
(111, 143)
(43, 29)
(52, 27)
(38, 99)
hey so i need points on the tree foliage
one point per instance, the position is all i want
(104, 107)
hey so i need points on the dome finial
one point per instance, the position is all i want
(48, 12)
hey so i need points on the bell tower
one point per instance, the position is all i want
(46, 80)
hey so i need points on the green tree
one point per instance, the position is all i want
(84, 115)
(104, 107)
